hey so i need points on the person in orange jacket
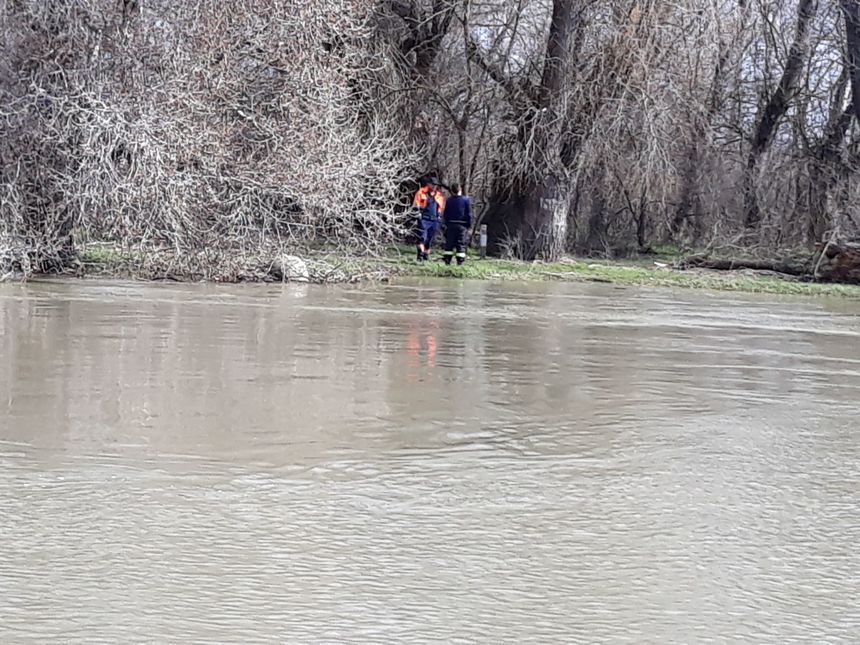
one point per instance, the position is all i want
(430, 204)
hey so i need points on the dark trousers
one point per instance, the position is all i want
(455, 243)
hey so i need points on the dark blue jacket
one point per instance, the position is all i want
(458, 211)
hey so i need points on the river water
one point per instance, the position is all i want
(427, 462)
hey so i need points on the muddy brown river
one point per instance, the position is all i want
(427, 462)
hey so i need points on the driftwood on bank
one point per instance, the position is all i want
(791, 266)
(831, 262)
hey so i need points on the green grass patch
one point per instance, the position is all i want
(106, 260)
(640, 271)
(101, 254)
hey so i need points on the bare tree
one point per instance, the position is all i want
(774, 107)
(595, 127)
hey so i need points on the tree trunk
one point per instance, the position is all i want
(544, 227)
(420, 49)
(816, 224)
(824, 173)
(594, 240)
(851, 12)
(427, 31)
(689, 204)
(642, 227)
(825, 168)
(431, 32)
(547, 198)
(774, 109)
(558, 54)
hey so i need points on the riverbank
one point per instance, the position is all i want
(656, 270)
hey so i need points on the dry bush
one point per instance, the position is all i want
(236, 124)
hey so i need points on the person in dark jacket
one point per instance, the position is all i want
(430, 204)
(456, 222)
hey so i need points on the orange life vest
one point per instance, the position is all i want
(423, 196)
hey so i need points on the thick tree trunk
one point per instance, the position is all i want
(546, 200)
(542, 196)
(547, 197)
(558, 53)
(544, 227)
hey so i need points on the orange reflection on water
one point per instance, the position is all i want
(422, 345)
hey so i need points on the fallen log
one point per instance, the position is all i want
(831, 262)
(574, 277)
(791, 266)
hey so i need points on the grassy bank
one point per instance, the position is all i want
(652, 270)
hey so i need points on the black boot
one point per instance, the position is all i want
(460, 261)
